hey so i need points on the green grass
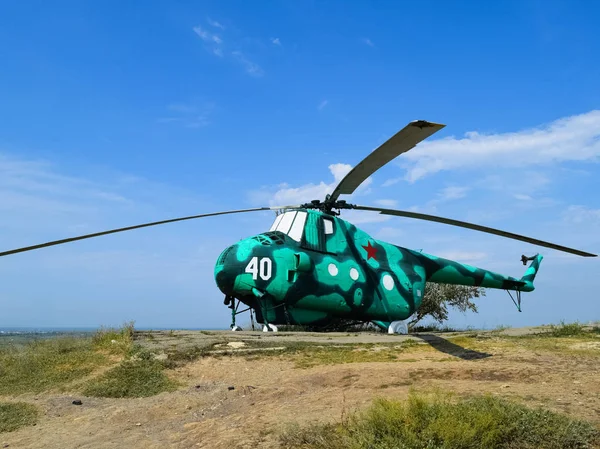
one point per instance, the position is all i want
(63, 363)
(138, 375)
(141, 376)
(437, 421)
(180, 357)
(14, 415)
(42, 365)
(309, 354)
(564, 338)
(115, 341)
(46, 364)
(567, 330)
(303, 354)
(435, 327)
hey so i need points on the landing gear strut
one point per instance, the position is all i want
(231, 302)
(517, 300)
(266, 326)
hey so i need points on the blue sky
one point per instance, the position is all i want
(112, 114)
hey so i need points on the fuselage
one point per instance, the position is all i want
(311, 266)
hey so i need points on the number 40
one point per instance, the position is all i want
(264, 266)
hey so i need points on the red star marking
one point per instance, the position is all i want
(371, 251)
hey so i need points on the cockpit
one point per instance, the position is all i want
(243, 267)
(309, 229)
(290, 223)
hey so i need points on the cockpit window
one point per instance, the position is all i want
(286, 222)
(276, 223)
(298, 226)
(290, 223)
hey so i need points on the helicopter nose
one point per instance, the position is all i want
(226, 270)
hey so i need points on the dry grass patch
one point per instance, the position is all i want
(441, 421)
(140, 377)
(14, 415)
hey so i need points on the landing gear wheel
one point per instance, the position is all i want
(236, 329)
(398, 327)
(269, 328)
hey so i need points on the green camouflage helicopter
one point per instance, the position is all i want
(312, 266)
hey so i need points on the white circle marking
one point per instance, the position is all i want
(388, 282)
(333, 270)
(354, 274)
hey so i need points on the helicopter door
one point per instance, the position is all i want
(314, 234)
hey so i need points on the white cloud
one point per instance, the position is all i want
(340, 170)
(276, 41)
(368, 42)
(284, 194)
(215, 45)
(574, 138)
(181, 107)
(104, 281)
(287, 195)
(188, 115)
(207, 36)
(386, 203)
(514, 181)
(522, 197)
(359, 217)
(463, 256)
(391, 182)
(322, 104)
(214, 23)
(445, 195)
(251, 67)
(389, 233)
(452, 193)
(36, 195)
(581, 214)
(427, 208)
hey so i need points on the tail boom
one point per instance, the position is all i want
(445, 271)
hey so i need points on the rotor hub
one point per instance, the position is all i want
(328, 206)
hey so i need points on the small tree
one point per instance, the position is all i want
(438, 297)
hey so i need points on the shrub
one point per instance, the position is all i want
(14, 415)
(427, 422)
(133, 378)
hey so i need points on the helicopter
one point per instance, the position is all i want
(312, 266)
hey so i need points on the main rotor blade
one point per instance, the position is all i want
(399, 143)
(145, 225)
(463, 224)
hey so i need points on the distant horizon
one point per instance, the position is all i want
(29, 329)
(92, 328)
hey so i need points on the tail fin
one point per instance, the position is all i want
(532, 270)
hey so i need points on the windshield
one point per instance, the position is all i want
(290, 223)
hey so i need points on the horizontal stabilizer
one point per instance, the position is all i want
(514, 285)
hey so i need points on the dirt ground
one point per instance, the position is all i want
(270, 391)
